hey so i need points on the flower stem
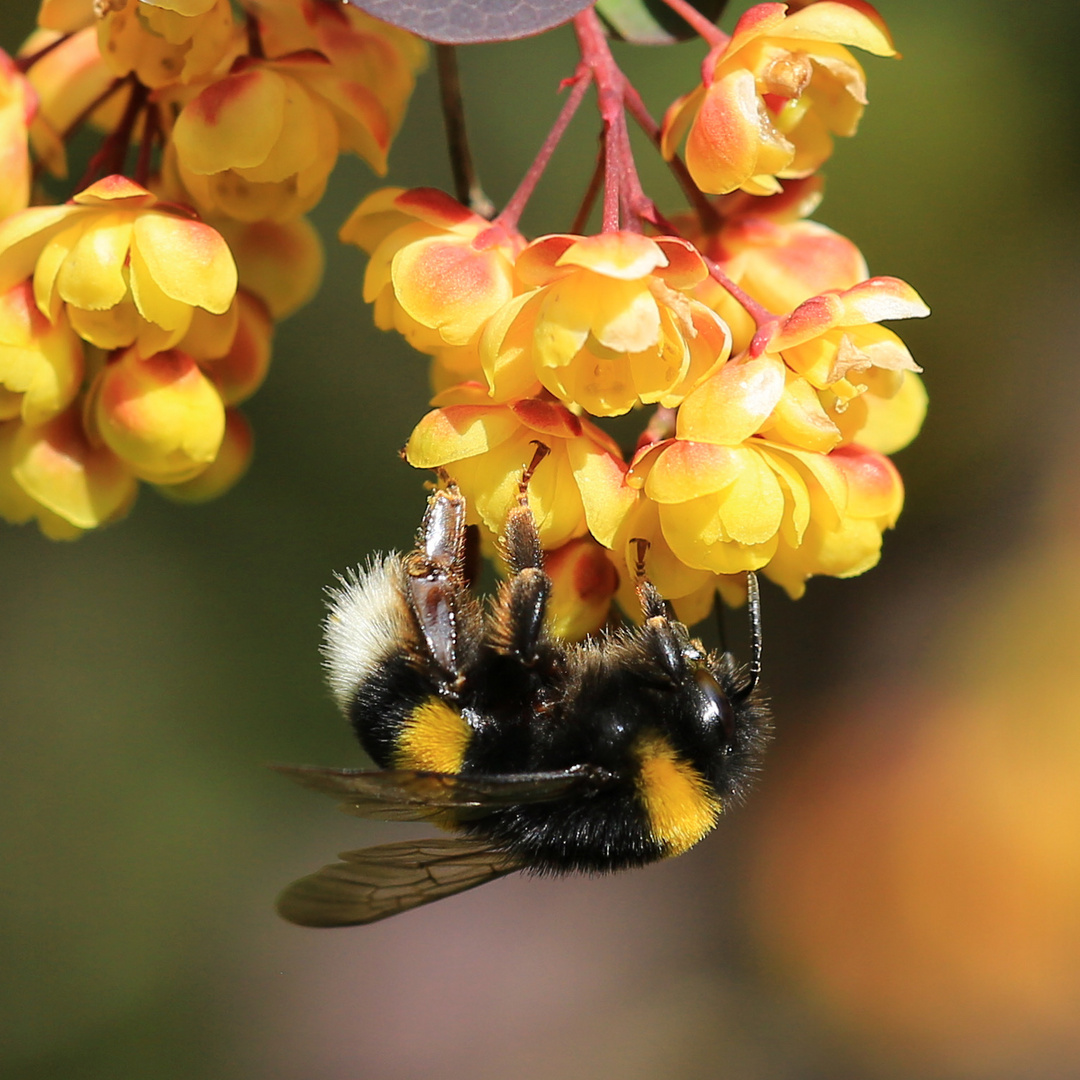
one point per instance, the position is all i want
(25, 63)
(511, 213)
(466, 183)
(111, 156)
(706, 211)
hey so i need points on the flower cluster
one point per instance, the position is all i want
(137, 316)
(755, 333)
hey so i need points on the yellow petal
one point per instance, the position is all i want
(189, 261)
(92, 274)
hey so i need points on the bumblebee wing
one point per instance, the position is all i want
(413, 795)
(382, 881)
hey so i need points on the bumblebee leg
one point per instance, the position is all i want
(435, 573)
(667, 647)
(522, 602)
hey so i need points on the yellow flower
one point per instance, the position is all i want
(610, 322)
(161, 415)
(168, 41)
(778, 92)
(380, 58)
(261, 141)
(579, 487)
(437, 272)
(16, 111)
(64, 481)
(764, 505)
(41, 363)
(125, 269)
(834, 352)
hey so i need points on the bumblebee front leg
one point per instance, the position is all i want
(522, 604)
(436, 583)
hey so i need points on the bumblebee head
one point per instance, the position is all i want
(715, 717)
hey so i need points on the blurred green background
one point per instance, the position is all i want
(902, 896)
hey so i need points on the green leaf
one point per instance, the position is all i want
(652, 22)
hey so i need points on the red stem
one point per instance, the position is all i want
(511, 213)
(707, 213)
(110, 158)
(25, 63)
(622, 187)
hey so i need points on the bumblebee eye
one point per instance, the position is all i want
(716, 711)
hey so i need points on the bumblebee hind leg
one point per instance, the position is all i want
(436, 584)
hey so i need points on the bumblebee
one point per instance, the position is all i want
(538, 754)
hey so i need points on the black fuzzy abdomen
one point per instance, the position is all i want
(596, 833)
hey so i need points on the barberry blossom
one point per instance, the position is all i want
(53, 472)
(611, 322)
(437, 271)
(691, 592)
(834, 351)
(778, 263)
(168, 41)
(161, 415)
(41, 362)
(763, 505)
(262, 141)
(375, 55)
(782, 87)
(580, 487)
(124, 267)
(17, 105)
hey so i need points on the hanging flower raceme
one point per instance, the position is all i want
(782, 87)
(609, 322)
(124, 268)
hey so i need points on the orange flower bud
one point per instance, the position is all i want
(161, 415)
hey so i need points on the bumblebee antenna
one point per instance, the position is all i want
(753, 602)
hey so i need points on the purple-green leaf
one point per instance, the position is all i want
(461, 22)
(652, 22)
